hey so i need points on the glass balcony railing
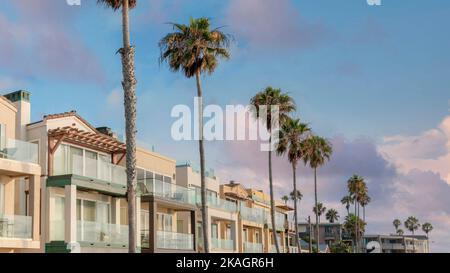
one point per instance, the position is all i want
(222, 244)
(18, 150)
(253, 247)
(293, 249)
(57, 230)
(167, 190)
(255, 215)
(15, 226)
(95, 169)
(176, 241)
(94, 232)
(280, 220)
(221, 204)
(273, 249)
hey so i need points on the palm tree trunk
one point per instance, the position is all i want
(414, 242)
(202, 164)
(272, 201)
(317, 210)
(129, 87)
(295, 208)
(356, 223)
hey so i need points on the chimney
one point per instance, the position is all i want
(21, 100)
(107, 131)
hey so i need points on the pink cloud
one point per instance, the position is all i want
(41, 41)
(273, 24)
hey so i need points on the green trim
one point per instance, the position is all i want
(102, 245)
(61, 246)
(20, 95)
(56, 247)
(87, 183)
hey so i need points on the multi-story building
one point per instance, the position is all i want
(328, 232)
(255, 225)
(222, 214)
(20, 185)
(400, 244)
(168, 211)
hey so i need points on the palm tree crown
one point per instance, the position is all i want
(292, 135)
(332, 215)
(194, 48)
(319, 209)
(272, 97)
(117, 4)
(347, 200)
(397, 223)
(299, 195)
(427, 228)
(316, 151)
(285, 198)
(412, 224)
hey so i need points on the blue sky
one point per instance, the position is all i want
(359, 74)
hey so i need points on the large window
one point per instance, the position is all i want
(73, 160)
(93, 211)
(165, 222)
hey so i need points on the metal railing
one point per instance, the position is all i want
(167, 190)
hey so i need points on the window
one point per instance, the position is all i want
(57, 223)
(165, 222)
(93, 211)
(2, 198)
(91, 165)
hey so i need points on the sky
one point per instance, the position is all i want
(372, 79)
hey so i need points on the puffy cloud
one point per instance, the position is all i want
(273, 24)
(39, 41)
(429, 150)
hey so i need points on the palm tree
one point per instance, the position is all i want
(264, 101)
(318, 210)
(356, 188)
(316, 151)
(332, 215)
(299, 196)
(347, 200)
(354, 226)
(129, 86)
(292, 135)
(427, 228)
(412, 224)
(397, 223)
(285, 198)
(195, 49)
(400, 232)
(364, 201)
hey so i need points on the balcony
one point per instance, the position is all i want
(253, 247)
(220, 204)
(19, 151)
(102, 233)
(15, 227)
(273, 249)
(222, 244)
(255, 215)
(280, 220)
(174, 241)
(88, 173)
(393, 246)
(167, 191)
(293, 249)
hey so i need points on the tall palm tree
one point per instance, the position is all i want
(285, 198)
(397, 223)
(298, 196)
(347, 201)
(356, 188)
(364, 201)
(412, 224)
(129, 86)
(427, 228)
(319, 209)
(332, 215)
(264, 101)
(195, 49)
(400, 232)
(316, 151)
(293, 133)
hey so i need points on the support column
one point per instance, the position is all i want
(194, 229)
(35, 199)
(115, 210)
(234, 235)
(208, 231)
(70, 213)
(152, 225)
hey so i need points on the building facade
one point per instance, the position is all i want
(400, 244)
